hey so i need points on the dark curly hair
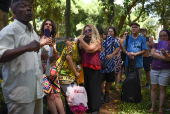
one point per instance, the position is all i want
(53, 32)
(114, 29)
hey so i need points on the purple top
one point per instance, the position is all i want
(158, 64)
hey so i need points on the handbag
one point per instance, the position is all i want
(103, 62)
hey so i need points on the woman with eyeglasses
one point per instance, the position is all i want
(51, 83)
(160, 71)
(117, 58)
(90, 59)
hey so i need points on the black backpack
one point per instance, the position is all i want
(131, 88)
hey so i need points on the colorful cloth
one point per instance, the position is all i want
(111, 45)
(66, 75)
(53, 85)
(60, 46)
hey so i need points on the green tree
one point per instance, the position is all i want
(160, 8)
(67, 18)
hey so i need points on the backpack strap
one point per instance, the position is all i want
(127, 38)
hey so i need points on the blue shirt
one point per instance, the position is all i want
(136, 45)
(111, 45)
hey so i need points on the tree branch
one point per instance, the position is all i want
(143, 2)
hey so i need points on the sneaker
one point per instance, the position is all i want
(106, 97)
(120, 82)
(147, 86)
(102, 98)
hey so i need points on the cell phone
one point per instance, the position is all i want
(47, 32)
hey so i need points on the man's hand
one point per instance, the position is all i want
(131, 55)
(33, 46)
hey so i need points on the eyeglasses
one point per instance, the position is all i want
(110, 31)
(163, 35)
(88, 30)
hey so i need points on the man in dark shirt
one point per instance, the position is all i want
(4, 10)
(146, 58)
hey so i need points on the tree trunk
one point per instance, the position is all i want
(123, 17)
(111, 14)
(34, 8)
(67, 19)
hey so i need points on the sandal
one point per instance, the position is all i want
(150, 110)
(117, 89)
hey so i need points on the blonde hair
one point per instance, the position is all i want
(95, 34)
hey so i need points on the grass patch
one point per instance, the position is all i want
(144, 106)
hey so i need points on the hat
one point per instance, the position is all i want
(143, 29)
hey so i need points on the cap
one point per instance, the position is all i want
(143, 29)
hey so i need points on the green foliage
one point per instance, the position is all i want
(101, 13)
(160, 8)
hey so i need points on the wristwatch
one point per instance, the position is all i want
(126, 52)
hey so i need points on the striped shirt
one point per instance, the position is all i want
(111, 45)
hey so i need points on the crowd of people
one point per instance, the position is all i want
(103, 57)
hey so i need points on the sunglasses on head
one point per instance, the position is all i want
(86, 31)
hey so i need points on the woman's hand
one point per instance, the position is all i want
(163, 51)
(108, 57)
(51, 59)
(45, 41)
(77, 74)
(51, 44)
(69, 45)
(81, 37)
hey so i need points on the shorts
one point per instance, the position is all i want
(67, 88)
(109, 77)
(160, 77)
(146, 63)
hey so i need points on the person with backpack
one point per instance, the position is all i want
(135, 47)
(160, 71)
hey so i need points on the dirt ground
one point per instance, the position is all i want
(111, 107)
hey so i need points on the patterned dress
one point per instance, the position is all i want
(117, 58)
(66, 75)
(53, 85)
